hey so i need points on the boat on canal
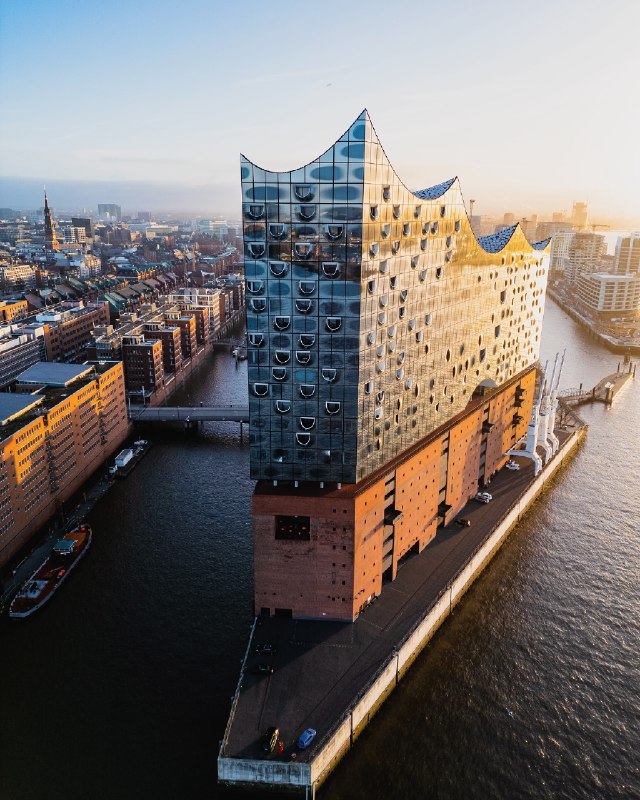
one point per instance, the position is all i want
(45, 581)
(127, 459)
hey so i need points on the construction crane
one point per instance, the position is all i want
(598, 225)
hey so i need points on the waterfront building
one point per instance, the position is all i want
(58, 427)
(68, 329)
(391, 368)
(585, 252)
(609, 295)
(627, 255)
(20, 347)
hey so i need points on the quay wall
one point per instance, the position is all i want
(339, 740)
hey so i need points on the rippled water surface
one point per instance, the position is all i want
(120, 688)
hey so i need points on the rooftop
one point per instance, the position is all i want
(13, 405)
(53, 374)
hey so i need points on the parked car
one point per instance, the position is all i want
(484, 497)
(263, 669)
(266, 649)
(306, 738)
(512, 465)
(270, 740)
(463, 522)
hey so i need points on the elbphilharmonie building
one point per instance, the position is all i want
(391, 367)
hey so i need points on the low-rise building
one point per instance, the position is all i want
(69, 329)
(608, 294)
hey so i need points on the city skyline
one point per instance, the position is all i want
(160, 111)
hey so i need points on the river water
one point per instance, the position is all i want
(121, 686)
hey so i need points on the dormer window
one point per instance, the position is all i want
(256, 249)
(304, 306)
(378, 413)
(393, 281)
(385, 230)
(256, 339)
(307, 339)
(278, 268)
(391, 332)
(415, 261)
(400, 358)
(371, 286)
(458, 226)
(384, 267)
(283, 406)
(306, 213)
(448, 256)
(419, 336)
(380, 350)
(307, 423)
(279, 374)
(403, 295)
(426, 227)
(382, 317)
(303, 357)
(397, 211)
(383, 300)
(368, 387)
(424, 243)
(303, 250)
(395, 247)
(391, 347)
(332, 407)
(400, 374)
(334, 231)
(402, 312)
(329, 375)
(434, 227)
(417, 211)
(448, 241)
(374, 212)
(333, 324)
(277, 230)
(406, 229)
(282, 356)
(386, 193)
(411, 324)
(261, 389)
(255, 211)
(380, 396)
(374, 248)
(443, 211)
(281, 323)
(304, 193)
(307, 390)
(331, 269)
(428, 319)
(371, 338)
(439, 271)
(423, 276)
(255, 287)
(258, 304)
(306, 287)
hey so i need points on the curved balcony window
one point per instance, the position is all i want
(304, 306)
(374, 249)
(306, 287)
(280, 456)
(307, 339)
(277, 230)
(417, 211)
(378, 413)
(306, 213)
(380, 396)
(424, 243)
(393, 281)
(279, 268)
(391, 347)
(283, 406)
(457, 226)
(255, 211)
(391, 332)
(439, 272)
(307, 390)
(434, 227)
(397, 211)
(384, 267)
(448, 256)
(406, 229)
(281, 323)
(400, 374)
(380, 367)
(415, 261)
(419, 336)
(443, 211)
(385, 230)
(282, 356)
(255, 287)
(303, 250)
(368, 387)
(256, 339)
(307, 423)
(279, 374)
(408, 383)
(256, 249)
(382, 317)
(395, 247)
(374, 212)
(331, 269)
(402, 312)
(258, 304)
(371, 286)
(303, 439)
(423, 276)
(411, 324)
(371, 338)
(426, 228)
(304, 192)
(329, 375)
(380, 350)
(383, 300)
(400, 358)
(386, 193)
(332, 407)
(448, 241)
(334, 232)
(428, 318)
(333, 324)
(303, 357)
(261, 389)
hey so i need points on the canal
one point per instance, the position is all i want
(121, 687)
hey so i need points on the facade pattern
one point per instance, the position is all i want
(374, 313)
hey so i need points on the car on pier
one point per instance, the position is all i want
(305, 739)
(463, 522)
(512, 465)
(263, 669)
(270, 740)
(483, 497)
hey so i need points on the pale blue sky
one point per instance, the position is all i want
(532, 105)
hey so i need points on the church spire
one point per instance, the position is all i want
(50, 239)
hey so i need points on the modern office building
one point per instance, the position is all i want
(391, 367)
(627, 255)
(109, 212)
(609, 295)
(584, 255)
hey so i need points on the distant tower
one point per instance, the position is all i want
(50, 240)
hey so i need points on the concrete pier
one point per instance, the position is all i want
(334, 676)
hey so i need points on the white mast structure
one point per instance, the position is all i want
(553, 407)
(545, 411)
(531, 439)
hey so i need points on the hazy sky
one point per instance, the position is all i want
(533, 105)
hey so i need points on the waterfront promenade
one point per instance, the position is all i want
(323, 669)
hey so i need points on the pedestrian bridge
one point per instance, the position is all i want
(190, 414)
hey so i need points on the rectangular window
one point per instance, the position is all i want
(293, 528)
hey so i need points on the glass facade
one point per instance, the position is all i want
(373, 312)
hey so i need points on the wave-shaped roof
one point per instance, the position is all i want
(433, 192)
